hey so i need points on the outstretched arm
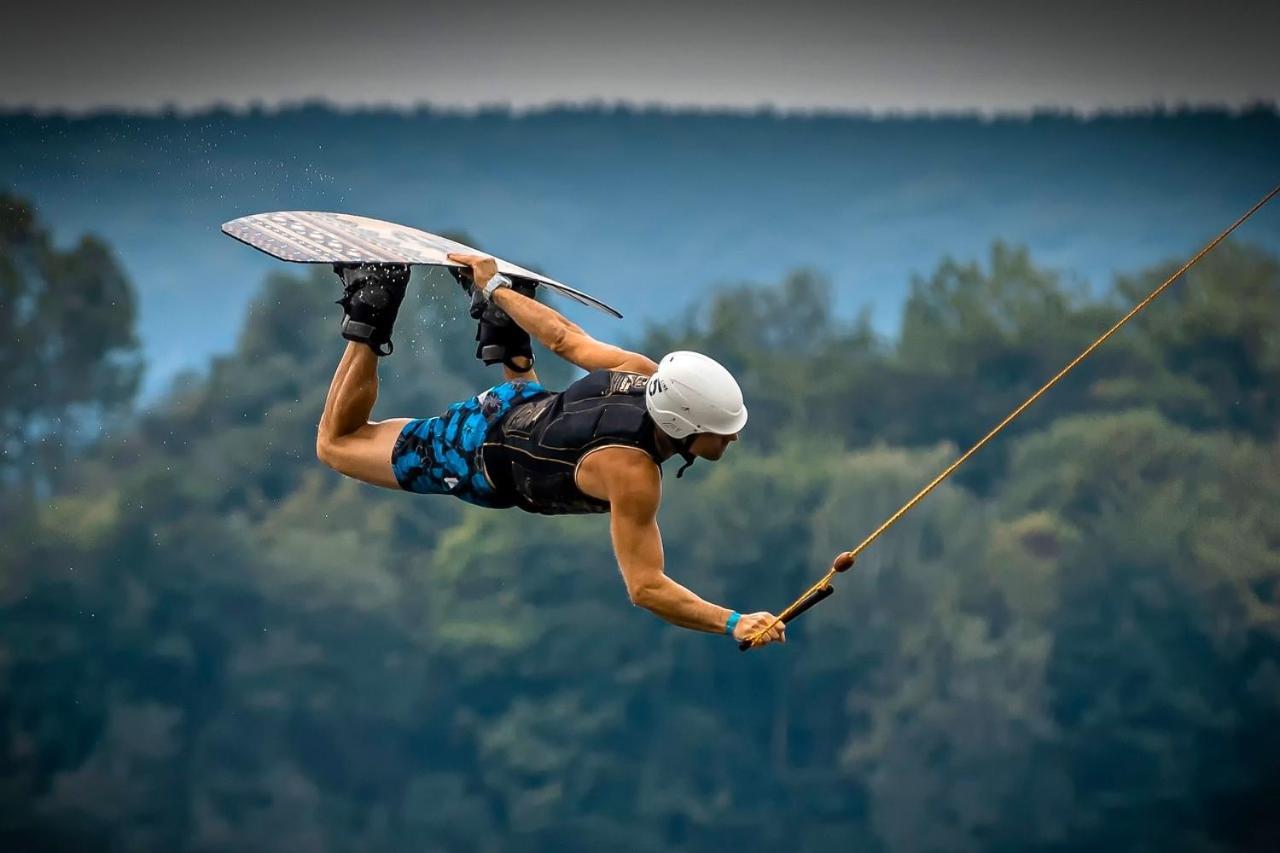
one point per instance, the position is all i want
(634, 493)
(552, 329)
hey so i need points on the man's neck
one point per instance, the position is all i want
(666, 445)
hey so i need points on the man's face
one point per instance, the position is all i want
(709, 445)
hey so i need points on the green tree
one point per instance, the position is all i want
(1210, 347)
(69, 360)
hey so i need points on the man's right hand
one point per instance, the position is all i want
(752, 623)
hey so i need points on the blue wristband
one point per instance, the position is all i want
(732, 623)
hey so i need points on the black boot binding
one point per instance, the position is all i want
(371, 302)
(498, 338)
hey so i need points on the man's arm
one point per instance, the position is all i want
(567, 339)
(634, 487)
(555, 332)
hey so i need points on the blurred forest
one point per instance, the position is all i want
(211, 642)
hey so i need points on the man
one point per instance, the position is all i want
(597, 446)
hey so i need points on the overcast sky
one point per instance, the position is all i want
(792, 55)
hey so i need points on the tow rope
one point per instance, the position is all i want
(824, 588)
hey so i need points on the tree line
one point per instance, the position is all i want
(209, 641)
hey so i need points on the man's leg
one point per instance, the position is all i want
(346, 440)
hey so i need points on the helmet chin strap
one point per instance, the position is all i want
(682, 447)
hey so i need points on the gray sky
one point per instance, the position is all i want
(795, 55)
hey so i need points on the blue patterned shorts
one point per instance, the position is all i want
(441, 456)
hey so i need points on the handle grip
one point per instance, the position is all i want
(823, 593)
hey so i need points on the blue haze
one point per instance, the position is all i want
(646, 209)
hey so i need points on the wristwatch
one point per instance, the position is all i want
(498, 280)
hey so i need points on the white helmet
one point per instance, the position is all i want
(692, 393)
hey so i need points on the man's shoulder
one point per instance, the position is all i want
(628, 473)
(628, 459)
(635, 482)
(626, 479)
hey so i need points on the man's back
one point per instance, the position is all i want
(532, 455)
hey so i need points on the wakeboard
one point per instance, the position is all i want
(313, 237)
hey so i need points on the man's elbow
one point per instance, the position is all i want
(559, 341)
(645, 596)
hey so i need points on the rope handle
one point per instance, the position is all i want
(820, 591)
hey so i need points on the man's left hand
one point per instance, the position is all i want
(483, 267)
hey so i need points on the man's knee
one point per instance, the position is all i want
(364, 454)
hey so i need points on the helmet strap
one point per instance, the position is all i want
(682, 447)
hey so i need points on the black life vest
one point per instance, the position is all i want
(531, 456)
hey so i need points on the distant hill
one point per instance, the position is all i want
(644, 208)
